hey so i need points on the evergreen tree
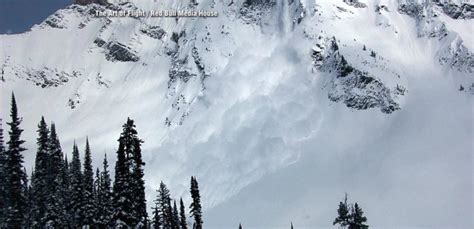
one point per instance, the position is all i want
(195, 208)
(2, 147)
(104, 196)
(66, 187)
(88, 187)
(27, 193)
(163, 201)
(175, 216)
(358, 219)
(372, 54)
(55, 205)
(292, 222)
(343, 216)
(350, 216)
(39, 180)
(76, 190)
(27, 196)
(130, 178)
(122, 199)
(169, 214)
(3, 180)
(15, 174)
(96, 194)
(156, 217)
(240, 226)
(133, 152)
(182, 215)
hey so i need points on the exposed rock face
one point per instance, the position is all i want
(355, 88)
(56, 21)
(297, 12)
(86, 2)
(43, 77)
(433, 8)
(154, 32)
(185, 63)
(457, 56)
(355, 3)
(253, 11)
(426, 19)
(352, 82)
(453, 53)
(463, 11)
(376, 94)
(117, 51)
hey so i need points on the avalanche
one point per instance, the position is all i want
(277, 107)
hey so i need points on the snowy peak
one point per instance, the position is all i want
(265, 85)
(190, 54)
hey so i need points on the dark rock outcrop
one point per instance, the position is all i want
(86, 2)
(457, 56)
(44, 77)
(154, 32)
(355, 88)
(355, 3)
(253, 11)
(116, 51)
(56, 20)
(454, 53)
(463, 11)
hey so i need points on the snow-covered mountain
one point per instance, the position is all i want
(277, 106)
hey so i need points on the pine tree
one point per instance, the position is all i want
(292, 222)
(27, 193)
(122, 215)
(163, 202)
(169, 214)
(182, 215)
(104, 196)
(358, 219)
(55, 205)
(88, 187)
(3, 180)
(240, 226)
(372, 54)
(195, 208)
(156, 221)
(76, 190)
(15, 174)
(130, 164)
(96, 196)
(2, 147)
(343, 217)
(175, 216)
(66, 189)
(39, 180)
(350, 216)
(133, 152)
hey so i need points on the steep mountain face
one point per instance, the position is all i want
(428, 16)
(325, 90)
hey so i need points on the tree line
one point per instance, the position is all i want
(349, 216)
(63, 194)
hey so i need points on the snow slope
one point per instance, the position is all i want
(257, 104)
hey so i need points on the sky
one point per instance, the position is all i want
(18, 16)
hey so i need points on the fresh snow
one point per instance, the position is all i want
(257, 128)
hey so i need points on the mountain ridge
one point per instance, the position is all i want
(264, 74)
